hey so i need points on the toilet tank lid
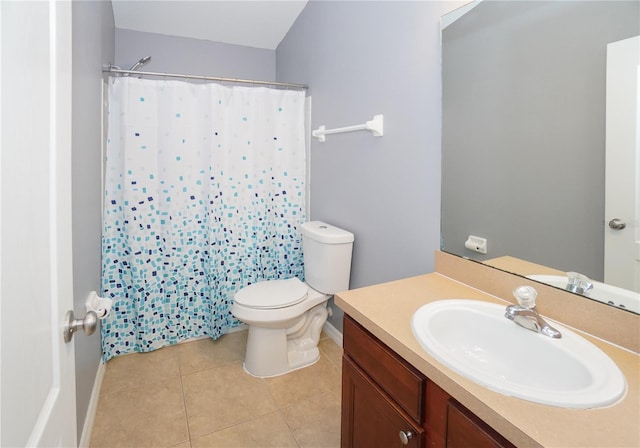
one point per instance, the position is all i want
(325, 233)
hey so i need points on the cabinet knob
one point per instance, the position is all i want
(405, 436)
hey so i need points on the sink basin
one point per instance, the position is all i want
(622, 298)
(474, 339)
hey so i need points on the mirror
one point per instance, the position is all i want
(523, 140)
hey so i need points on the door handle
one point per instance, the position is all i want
(617, 224)
(72, 325)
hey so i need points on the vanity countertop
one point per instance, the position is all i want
(386, 311)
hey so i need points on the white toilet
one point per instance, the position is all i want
(285, 317)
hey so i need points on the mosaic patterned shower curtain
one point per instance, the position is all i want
(204, 194)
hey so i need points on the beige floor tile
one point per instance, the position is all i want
(224, 396)
(152, 416)
(136, 369)
(332, 351)
(269, 430)
(182, 445)
(318, 379)
(315, 423)
(205, 354)
(141, 401)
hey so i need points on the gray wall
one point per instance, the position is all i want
(93, 46)
(362, 59)
(524, 129)
(172, 54)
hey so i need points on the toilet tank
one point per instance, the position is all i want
(327, 256)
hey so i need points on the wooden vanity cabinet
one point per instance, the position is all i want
(386, 402)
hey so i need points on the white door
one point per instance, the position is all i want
(37, 393)
(622, 201)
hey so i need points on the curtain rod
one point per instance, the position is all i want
(205, 78)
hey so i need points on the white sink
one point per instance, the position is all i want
(474, 339)
(622, 298)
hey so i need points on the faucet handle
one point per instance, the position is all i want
(578, 283)
(526, 296)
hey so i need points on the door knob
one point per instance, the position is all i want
(405, 436)
(71, 324)
(617, 224)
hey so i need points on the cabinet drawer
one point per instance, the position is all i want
(395, 376)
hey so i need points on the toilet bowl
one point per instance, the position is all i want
(285, 317)
(284, 335)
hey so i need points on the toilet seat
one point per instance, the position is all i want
(272, 294)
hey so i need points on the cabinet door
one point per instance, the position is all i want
(370, 418)
(465, 429)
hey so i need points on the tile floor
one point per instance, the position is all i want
(198, 395)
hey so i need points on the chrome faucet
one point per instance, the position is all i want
(526, 315)
(578, 283)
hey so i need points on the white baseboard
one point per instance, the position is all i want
(333, 333)
(240, 327)
(85, 437)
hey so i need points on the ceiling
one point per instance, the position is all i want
(259, 24)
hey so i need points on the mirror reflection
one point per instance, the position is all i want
(526, 120)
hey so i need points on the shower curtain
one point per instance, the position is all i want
(204, 194)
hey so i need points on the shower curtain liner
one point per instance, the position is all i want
(204, 194)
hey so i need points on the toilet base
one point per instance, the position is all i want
(276, 351)
(302, 366)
